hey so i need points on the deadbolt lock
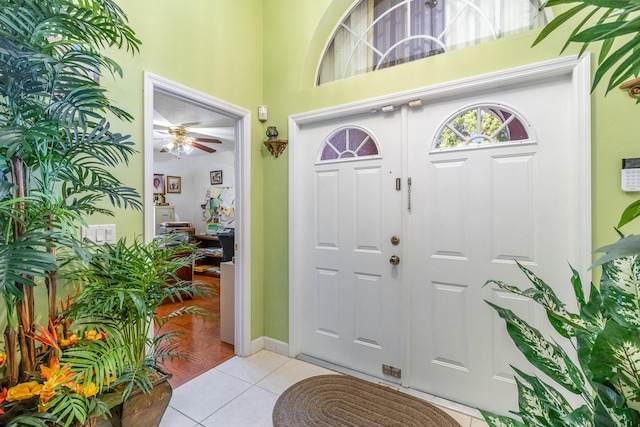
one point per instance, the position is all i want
(395, 260)
(395, 240)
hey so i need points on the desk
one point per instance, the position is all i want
(211, 253)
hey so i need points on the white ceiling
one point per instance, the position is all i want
(169, 110)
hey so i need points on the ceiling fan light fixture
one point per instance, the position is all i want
(181, 143)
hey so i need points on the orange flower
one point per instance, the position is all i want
(3, 358)
(86, 391)
(47, 372)
(94, 335)
(70, 340)
(3, 396)
(23, 391)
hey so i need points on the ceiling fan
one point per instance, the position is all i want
(182, 143)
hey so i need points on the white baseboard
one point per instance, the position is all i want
(266, 343)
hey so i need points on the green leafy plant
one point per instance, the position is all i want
(57, 150)
(122, 286)
(615, 24)
(602, 21)
(605, 333)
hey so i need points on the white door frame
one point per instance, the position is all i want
(579, 70)
(242, 119)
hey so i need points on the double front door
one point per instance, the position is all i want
(402, 216)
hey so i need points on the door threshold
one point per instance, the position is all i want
(440, 401)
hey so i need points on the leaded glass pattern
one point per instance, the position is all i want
(378, 34)
(482, 125)
(348, 143)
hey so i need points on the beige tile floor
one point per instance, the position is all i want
(242, 392)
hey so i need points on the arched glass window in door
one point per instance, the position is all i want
(383, 33)
(482, 125)
(348, 143)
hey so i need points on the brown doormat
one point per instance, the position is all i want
(338, 400)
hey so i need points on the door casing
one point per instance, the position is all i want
(243, 191)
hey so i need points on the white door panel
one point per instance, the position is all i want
(351, 293)
(477, 210)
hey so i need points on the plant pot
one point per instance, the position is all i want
(140, 410)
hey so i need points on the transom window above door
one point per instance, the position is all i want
(482, 125)
(378, 34)
(348, 143)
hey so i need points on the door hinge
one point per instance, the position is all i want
(392, 371)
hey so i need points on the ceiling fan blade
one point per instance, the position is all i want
(190, 124)
(211, 140)
(203, 147)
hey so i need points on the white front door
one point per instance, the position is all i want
(351, 293)
(476, 209)
(467, 215)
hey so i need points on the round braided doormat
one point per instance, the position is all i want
(337, 401)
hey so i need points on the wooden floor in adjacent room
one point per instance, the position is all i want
(201, 339)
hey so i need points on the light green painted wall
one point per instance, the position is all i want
(213, 46)
(295, 34)
(251, 52)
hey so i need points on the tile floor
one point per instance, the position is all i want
(242, 392)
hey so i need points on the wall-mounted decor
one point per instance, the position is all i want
(216, 177)
(158, 183)
(158, 199)
(174, 184)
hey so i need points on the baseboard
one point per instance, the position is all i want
(271, 344)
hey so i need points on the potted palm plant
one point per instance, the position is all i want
(122, 286)
(57, 149)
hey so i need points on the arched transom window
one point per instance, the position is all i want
(482, 125)
(382, 33)
(348, 143)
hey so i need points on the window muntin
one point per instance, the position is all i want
(482, 125)
(382, 33)
(348, 143)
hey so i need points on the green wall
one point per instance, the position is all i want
(295, 35)
(213, 46)
(251, 52)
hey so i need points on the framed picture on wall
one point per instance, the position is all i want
(174, 184)
(216, 177)
(158, 183)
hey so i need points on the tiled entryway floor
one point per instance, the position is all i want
(242, 392)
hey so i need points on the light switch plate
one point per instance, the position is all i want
(100, 234)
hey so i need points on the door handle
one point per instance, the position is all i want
(394, 260)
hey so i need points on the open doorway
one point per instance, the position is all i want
(197, 177)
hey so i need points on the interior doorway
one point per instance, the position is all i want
(213, 126)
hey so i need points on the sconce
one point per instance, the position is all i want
(632, 87)
(274, 145)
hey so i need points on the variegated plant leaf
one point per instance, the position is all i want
(549, 358)
(576, 282)
(551, 398)
(495, 420)
(592, 311)
(627, 246)
(581, 417)
(616, 360)
(610, 409)
(532, 408)
(562, 320)
(620, 288)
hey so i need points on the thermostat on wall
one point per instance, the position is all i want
(631, 174)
